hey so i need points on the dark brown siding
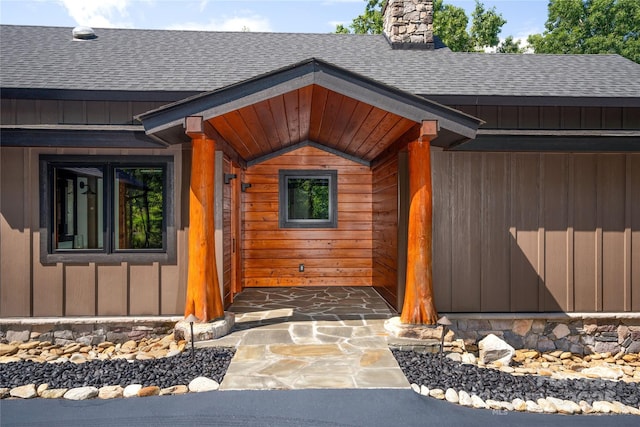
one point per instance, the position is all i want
(536, 232)
(332, 257)
(30, 288)
(442, 183)
(495, 238)
(385, 229)
(465, 245)
(632, 235)
(15, 202)
(567, 118)
(36, 111)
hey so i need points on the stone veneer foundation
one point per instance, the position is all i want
(85, 330)
(579, 333)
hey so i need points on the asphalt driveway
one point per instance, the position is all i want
(348, 407)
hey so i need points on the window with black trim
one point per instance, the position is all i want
(106, 206)
(308, 198)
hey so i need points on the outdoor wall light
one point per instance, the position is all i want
(228, 177)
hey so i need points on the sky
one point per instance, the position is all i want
(523, 17)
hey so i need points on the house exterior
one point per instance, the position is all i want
(534, 163)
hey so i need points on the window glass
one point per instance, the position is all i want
(78, 214)
(107, 208)
(138, 207)
(308, 198)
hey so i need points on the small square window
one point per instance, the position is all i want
(308, 199)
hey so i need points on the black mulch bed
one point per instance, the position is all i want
(165, 372)
(434, 371)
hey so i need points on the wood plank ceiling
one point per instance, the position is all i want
(311, 113)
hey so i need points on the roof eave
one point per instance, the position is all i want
(305, 73)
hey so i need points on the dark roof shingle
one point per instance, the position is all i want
(162, 60)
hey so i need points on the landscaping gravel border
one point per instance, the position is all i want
(434, 371)
(425, 371)
(163, 372)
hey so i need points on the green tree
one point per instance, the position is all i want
(509, 45)
(450, 23)
(485, 27)
(370, 22)
(591, 26)
(341, 29)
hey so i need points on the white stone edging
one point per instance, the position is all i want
(547, 405)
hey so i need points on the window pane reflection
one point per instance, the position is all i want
(308, 198)
(138, 207)
(78, 215)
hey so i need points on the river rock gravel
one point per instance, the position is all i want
(163, 372)
(436, 372)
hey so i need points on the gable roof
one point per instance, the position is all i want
(195, 61)
(315, 101)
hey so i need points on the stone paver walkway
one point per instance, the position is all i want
(301, 338)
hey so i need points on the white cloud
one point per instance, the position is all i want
(203, 5)
(99, 13)
(253, 22)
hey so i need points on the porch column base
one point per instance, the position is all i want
(205, 331)
(397, 329)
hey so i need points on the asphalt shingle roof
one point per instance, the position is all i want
(161, 60)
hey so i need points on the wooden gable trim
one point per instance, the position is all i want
(307, 144)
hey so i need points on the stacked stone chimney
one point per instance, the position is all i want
(408, 24)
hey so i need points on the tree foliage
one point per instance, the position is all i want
(591, 26)
(450, 23)
(509, 45)
(485, 27)
(369, 22)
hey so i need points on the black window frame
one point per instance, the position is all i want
(283, 198)
(108, 253)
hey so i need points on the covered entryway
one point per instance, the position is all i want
(311, 133)
(262, 306)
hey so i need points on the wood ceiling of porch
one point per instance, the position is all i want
(311, 113)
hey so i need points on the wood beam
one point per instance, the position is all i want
(196, 125)
(203, 291)
(419, 306)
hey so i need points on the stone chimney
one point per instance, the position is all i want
(408, 24)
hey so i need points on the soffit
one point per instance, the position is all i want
(310, 101)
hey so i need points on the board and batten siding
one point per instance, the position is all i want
(74, 112)
(554, 117)
(30, 288)
(536, 232)
(331, 257)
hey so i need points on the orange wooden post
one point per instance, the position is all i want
(419, 307)
(203, 292)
